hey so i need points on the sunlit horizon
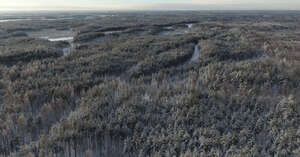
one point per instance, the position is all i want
(104, 5)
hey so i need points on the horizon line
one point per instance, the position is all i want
(138, 10)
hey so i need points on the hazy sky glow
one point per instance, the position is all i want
(149, 5)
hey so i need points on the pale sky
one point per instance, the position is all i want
(149, 5)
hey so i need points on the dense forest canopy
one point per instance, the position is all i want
(138, 84)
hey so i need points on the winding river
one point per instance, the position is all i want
(196, 54)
